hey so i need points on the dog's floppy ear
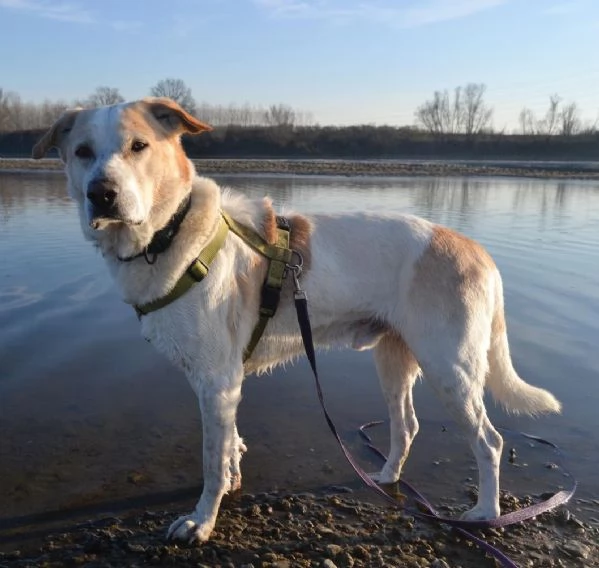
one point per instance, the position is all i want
(56, 135)
(174, 118)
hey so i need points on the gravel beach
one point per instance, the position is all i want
(332, 529)
(358, 167)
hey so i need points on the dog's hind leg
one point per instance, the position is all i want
(459, 384)
(397, 369)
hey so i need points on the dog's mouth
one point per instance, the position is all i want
(99, 223)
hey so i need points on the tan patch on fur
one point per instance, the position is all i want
(454, 266)
(269, 222)
(498, 325)
(396, 352)
(301, 231)
(185, 168)
(299, 236)
(135, 121)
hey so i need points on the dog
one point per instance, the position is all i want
(426, 299)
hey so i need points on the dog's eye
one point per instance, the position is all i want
(84, 152)
(138, 146)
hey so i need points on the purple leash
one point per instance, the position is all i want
(560, 498)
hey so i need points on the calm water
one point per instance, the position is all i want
(89, 413)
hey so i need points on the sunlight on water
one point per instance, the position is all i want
(70, 348)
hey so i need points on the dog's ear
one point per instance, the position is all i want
(174, 118)
(56, 135)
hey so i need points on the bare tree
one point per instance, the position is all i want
(527, 121)
(435, 115)
(177, 90)
(570, 120)
(8, 103)
(466, 112)
(550, 124)
(104, 96)
(279, 115)
(4, 110)
(476, 115)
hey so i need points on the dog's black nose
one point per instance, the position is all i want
(101, 194)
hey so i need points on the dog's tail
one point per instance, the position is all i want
(507, 387)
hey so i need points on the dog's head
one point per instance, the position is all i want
(124, 162)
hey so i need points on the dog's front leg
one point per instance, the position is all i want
(218, 404)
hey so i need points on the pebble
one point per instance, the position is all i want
(333, 549)
(340, 489)
(576, 549)
(329, 564)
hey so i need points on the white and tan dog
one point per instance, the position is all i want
(424, 297)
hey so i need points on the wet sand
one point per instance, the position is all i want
(349, 167)
(330, 529)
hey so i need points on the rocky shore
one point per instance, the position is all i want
(357, 167)
(333, 529)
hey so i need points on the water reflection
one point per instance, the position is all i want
(83, 400)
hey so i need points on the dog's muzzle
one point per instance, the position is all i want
(102, 195)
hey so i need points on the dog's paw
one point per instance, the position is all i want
(186, 528)
(480, 513)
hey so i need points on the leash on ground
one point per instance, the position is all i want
(428, 512)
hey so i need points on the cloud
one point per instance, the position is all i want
(444, 10)
(421, 13)
(63, 11)
(66, 12)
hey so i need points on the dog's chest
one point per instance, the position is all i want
(172, 335)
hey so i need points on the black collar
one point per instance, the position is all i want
(164, 237)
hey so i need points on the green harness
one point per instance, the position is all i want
(279, 256)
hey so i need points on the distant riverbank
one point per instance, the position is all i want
(570, 170)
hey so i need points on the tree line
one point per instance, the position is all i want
(464, 111)
(455, 125)
(18, 115)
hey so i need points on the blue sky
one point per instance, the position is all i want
(345, 61)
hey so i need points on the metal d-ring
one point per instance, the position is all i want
(296, 270)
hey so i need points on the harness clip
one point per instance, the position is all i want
(296, 271)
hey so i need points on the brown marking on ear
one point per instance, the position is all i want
(451, 272)
(174, 118)
(301, 231)
(54, 137)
